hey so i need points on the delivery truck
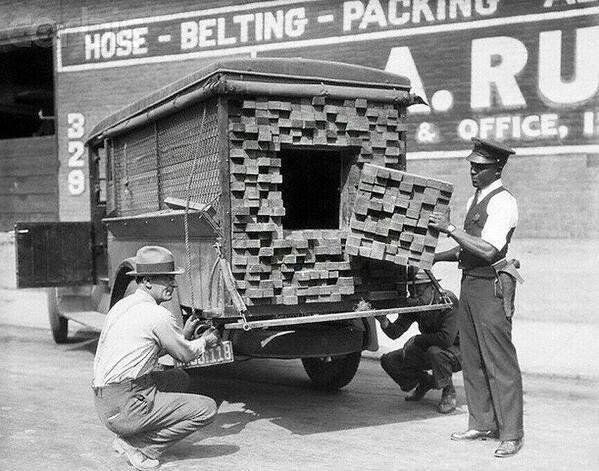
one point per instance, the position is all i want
(250, 171)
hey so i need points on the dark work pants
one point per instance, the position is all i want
(492, 378)
(409, 365)
(153, 412)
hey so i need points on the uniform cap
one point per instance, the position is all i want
(154, 260)
(489, 152)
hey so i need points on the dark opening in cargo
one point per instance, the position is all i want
(311, 189)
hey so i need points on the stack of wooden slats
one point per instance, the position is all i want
(309, 265)
(391, 215)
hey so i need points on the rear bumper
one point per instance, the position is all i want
(300, 342)
(248, 325)
(314, 335)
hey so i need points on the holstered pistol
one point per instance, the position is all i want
(506, 278)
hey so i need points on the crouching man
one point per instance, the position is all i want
(436, 348)
(148, 410)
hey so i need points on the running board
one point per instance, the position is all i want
(336, 316)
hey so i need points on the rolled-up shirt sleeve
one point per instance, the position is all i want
(502, 212)
(170, 337)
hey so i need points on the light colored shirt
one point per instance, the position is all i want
(502, 215)
(136, 332)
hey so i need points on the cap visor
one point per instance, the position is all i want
(477, 158)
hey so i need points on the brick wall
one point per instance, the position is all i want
(28, 187)
(67, 13)
(558, 195)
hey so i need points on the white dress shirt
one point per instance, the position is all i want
(135, 333)
(502, 212)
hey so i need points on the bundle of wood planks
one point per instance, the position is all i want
(391, 216)
(309, 265)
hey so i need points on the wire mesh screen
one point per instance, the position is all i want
(172, 157)
(136, 173)
(188, 148)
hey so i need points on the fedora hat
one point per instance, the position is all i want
(155, 260)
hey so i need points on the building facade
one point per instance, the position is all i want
(522, 72)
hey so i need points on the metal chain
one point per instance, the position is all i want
(185, 219)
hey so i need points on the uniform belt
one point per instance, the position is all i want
(125, 385)
(480, 271)
(477, 275)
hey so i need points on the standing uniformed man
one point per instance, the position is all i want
(492, 378)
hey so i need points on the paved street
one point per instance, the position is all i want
(270, 419)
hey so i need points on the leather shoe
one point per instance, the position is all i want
(141, 462)
(508, 448)
(120, 446)
(135, 457)
(423, 387)
(473, 434)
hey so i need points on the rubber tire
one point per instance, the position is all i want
(332, 373)
(59, 326)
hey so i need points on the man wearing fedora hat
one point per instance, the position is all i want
(492, 377)
(149, 410)
(436, 348)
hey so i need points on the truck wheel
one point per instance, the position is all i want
(332, 373)
(58, 325)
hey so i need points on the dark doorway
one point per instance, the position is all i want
(312, 182)
(26, 89)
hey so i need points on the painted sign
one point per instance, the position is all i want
(522, 72)
(283, 24)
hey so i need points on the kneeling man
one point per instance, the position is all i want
(436, 348)
(149, 410)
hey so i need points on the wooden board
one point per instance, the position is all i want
(272, 266)
(391, 215)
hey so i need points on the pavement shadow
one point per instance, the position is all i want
(272, 390)
(189, 450)
(279, 391)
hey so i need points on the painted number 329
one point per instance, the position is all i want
(75, 131)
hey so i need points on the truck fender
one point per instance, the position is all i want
(121, 280)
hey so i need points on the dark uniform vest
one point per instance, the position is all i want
(473, 224)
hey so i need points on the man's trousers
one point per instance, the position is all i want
(408, 366)
(492, 377)
(152, 413)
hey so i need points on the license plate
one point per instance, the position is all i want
(220, 354)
